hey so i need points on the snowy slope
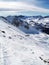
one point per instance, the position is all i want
(44, 21)
(16, 48)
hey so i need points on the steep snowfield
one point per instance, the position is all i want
(17, 48)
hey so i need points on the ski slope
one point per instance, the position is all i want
(16, 48)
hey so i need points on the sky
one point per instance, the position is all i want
(24, 7)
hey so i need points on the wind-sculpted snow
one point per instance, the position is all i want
(18, 48)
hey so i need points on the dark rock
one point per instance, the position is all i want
(10, 37)
(3, 31)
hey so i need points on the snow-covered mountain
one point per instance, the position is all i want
(19, 48)
(21, 23)
(28, 23)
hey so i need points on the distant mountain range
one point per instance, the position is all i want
(27, 23)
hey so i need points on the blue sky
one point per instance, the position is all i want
(25, 7)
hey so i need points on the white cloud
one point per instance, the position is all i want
(20, 6)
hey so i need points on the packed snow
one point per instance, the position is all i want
(19, 48)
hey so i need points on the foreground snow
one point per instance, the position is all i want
(16, 48)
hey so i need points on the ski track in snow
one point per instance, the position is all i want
(18, 49)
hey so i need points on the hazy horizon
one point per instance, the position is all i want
(27, 7)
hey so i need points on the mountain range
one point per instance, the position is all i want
(27, 23)
(22, 41)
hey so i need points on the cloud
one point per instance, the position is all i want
(21, 6)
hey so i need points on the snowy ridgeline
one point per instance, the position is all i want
(19, 48)
(29, 24)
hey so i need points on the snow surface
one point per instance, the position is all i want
(18, 48)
